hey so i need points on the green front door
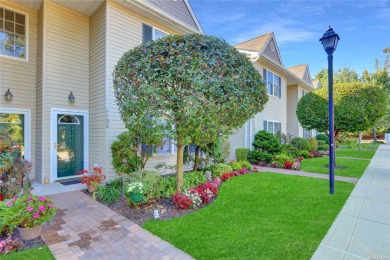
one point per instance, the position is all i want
(70, 145)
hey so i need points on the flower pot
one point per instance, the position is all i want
(30, 233)
(91, 188)
(136, 197)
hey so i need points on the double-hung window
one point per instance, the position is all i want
(150, 33)
(13, 34)
(272, 126)
(273, 83)
(304, 93)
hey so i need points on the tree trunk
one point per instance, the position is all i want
(374, 135)
(360, 140)
(196, 161)
(179, 166)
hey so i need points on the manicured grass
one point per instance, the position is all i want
(258, 216)
(30, 254)
(352, 167)
(366, 153)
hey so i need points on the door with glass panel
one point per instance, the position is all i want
(70, 144)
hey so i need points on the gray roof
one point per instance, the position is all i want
(178, 9)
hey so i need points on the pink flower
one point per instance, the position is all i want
(36, 215)
(51, 205)
(29, 198)
(41, 208)
(42, 199)
(30, 209)
(13, 199)
(9, 204)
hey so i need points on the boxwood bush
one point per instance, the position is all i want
(301, 144)
(245, 164)
(266, 142)
(323, 137)
(304, 153)
(219, 169)
(235, 166)
(257, 156)
(242, 154)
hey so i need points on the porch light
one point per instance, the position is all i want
(71, 98)
(8, 96)
(329, 40)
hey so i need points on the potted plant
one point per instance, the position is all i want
(92, 180)
(28, 213)
(136, 191)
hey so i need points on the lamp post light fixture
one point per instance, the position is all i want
(8, 96)
(329, 40)
(71, 98)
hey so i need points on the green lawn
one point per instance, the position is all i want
(30, 254)
(366, 153)
(352, 167)
(258, 216)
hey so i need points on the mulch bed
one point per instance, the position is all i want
(139, 213)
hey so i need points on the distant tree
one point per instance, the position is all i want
(191, 84)
(357, 108)
(322, 77)
(344, 75)
(381, 78)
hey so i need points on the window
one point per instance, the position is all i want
(273, 127)
(12, 34)
(306, 133)
(17, 125)
(304, 93)
(273, 83)
(150, 33)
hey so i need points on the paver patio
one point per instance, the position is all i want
(85, 229)
(362, 228)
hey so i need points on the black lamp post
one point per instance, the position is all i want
(329, 40)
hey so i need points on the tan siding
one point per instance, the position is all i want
(292, 120)
(124, 33)
(39, 94)
(273, 54)
(97, 90)
(65, 66)
(20, 77)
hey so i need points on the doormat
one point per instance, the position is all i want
(70, 182)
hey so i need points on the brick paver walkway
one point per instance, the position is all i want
(85, 229)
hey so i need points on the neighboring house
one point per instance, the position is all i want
(54, 50)
(284, 88)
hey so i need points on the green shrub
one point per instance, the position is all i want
(300, 143)
(107, 194)
(116, 184)
(193, 179)
(323, 137)
(168, 186)
(247, 165)
(304, 153)
(218, 151)
(219, 169)
(351, 143)
(242, 154)
(266, 142)
(257, 156)
(151, 181)
(235, 166)
(282, 158)
(313, 143)
(124, 159)
(290, 150)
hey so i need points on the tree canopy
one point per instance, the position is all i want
(192, 85)
(357, 107)
(343, 75)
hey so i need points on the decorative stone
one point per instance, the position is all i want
(207, 175)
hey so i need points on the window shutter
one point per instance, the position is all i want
(265, 77)
(265, 125)
(147, 32)
(280, 127)
(303, 93)
(147, 149)
(280, 87)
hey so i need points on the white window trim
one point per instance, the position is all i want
(154, 31)
(270, 121)
(27, 128)
(273, 85)
(27, 36)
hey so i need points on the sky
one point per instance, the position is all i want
(363, 28)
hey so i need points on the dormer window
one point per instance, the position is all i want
(13, 34)
(150, 33)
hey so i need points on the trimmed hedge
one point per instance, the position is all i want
(242, 154)
(219, 169)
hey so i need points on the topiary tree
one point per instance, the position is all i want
(191, 85)
(357, 108)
